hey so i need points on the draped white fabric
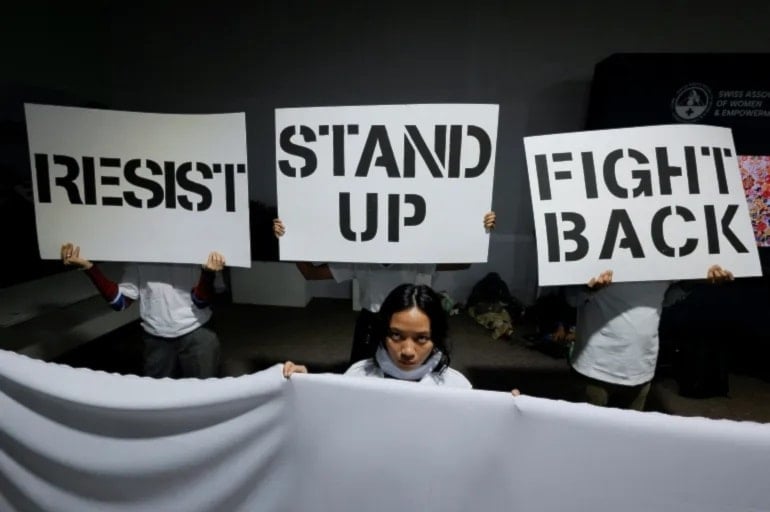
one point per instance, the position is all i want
(78, 440)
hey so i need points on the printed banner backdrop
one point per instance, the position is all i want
(387, 183)
(650, 203)
(131, 186)
(717, 89)
(755, 173)
(78, 440)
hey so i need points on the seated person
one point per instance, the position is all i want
(410, 330)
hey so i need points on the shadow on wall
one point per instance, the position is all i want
(558, 108)
(264, 245)
(22, 263)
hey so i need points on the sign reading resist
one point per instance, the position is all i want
(657, 202)
(387, 184)
(131, 186)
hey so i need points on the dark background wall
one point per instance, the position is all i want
(535, 59)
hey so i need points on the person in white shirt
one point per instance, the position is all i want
(616, 336)
(174, 308)
(411, 333)
(375, 280)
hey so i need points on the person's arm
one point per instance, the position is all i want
(203, 293)
(108, 289)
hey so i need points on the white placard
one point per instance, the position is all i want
(132, 186)
(649, 203)
(387, 184)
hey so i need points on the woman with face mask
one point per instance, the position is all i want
(411, 334)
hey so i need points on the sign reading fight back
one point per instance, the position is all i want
(388, 184)
(650, 203)
(131, 186)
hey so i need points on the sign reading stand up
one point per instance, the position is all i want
(387, 184)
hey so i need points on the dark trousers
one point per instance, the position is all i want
(363, 345)
(605, 394)
(196, 354)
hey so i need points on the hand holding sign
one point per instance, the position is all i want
(215, 262)
(489, 221)
(717, 274)
(290, 369)
(602, 280)
(70, 256)
(278, 228)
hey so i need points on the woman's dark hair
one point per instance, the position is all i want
(408, 296)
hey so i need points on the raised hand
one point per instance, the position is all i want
(600, 281)
(278, 228)
(489, 220)
(215, 262)
(717, 274)
(70, 256)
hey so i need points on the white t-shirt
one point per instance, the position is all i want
(376, 280)
(163, 291)
(616, 337)
(449, 377)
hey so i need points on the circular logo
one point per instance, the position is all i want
(691, 102)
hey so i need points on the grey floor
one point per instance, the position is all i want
(319, 336)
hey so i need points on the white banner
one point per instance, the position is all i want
(387, 183)
(78, 440)
(131, 186)
(650, 203)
